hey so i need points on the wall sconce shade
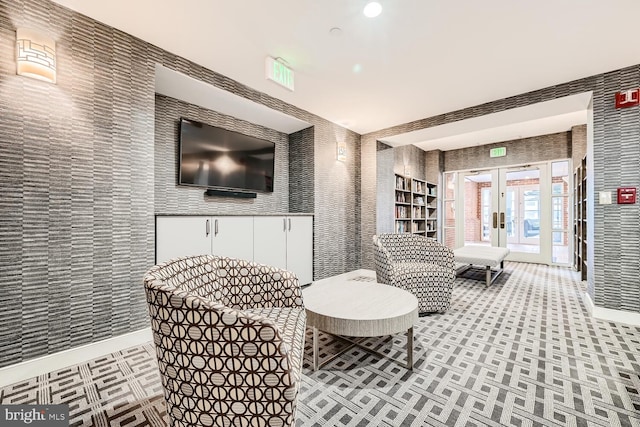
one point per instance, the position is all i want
(36, 55)
(341, 153)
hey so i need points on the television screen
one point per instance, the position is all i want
(213, 157)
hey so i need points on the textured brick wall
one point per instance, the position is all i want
(171, 198)
(578, 144)
(77, 195)
(472, 203)
(522, 151)
(301, 171)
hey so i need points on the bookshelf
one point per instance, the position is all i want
(580, 219)
(432, 211)
(415, 206)
(402, 214)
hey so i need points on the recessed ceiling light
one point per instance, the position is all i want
(372, 9)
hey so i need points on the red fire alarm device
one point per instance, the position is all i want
(628, 98)
(626, 195)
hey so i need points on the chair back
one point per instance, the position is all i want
(404, 247)
(219, 365)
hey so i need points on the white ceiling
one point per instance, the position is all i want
(543, 118)
(180, 86)
(417, 59)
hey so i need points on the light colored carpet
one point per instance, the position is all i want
(522, 352)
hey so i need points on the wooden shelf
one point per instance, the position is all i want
(415, 206)
(580, 219)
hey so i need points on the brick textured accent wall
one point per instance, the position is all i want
(522, 151)
(385, 175)
(578, 144)
(76, 194)
(301, 171)
(472, 211)
(78, 185)
(170, 198)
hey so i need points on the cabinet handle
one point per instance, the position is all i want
(289, 224)
(208, 228)
(284, 224)
(216, 228)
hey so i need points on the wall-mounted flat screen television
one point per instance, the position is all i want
(212, 157)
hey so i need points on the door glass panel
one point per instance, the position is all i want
(522, 210)
(477, 209)
(511, 213)
(560, 189)
(560, 254)
(450, 237)
(486, 213)
(450, 185)
(559, 213)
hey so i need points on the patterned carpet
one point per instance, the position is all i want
(522, 352)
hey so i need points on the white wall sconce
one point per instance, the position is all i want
(341, 154)
(36, 55)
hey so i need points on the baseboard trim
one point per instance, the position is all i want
(52, 362)
(610, 315)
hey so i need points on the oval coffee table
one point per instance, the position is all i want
(348, 308)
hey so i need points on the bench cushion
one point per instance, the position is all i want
(480, 255)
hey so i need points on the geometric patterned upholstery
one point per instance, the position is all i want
(419, 265)
(229, 338)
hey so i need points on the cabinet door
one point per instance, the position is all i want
(300, 247)
(270, 240)
(233, 236)
(181, 236)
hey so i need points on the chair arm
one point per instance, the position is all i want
(383, 262)
(245, 284)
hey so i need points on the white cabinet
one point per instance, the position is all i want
(181, 236)
(282, 241)
(233, 236)
(300, 247)
(201, 235)
(285, 242)
(270, 240)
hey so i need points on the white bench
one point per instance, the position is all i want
(487, 256)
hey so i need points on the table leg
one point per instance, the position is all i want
(315, 349)
(410, 348)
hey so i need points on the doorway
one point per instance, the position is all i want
(524, 208)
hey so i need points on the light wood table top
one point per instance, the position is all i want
(359, 309)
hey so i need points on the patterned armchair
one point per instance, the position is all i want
(229, 337)
(418, 265)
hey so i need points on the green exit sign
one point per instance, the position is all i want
(278, 72)
(498, 152)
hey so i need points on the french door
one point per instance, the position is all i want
(511, 207)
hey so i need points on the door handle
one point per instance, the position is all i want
(208, 228)
(289, 224)
(284, 224)
(216, 228)
(495, 220)
(501, 219)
